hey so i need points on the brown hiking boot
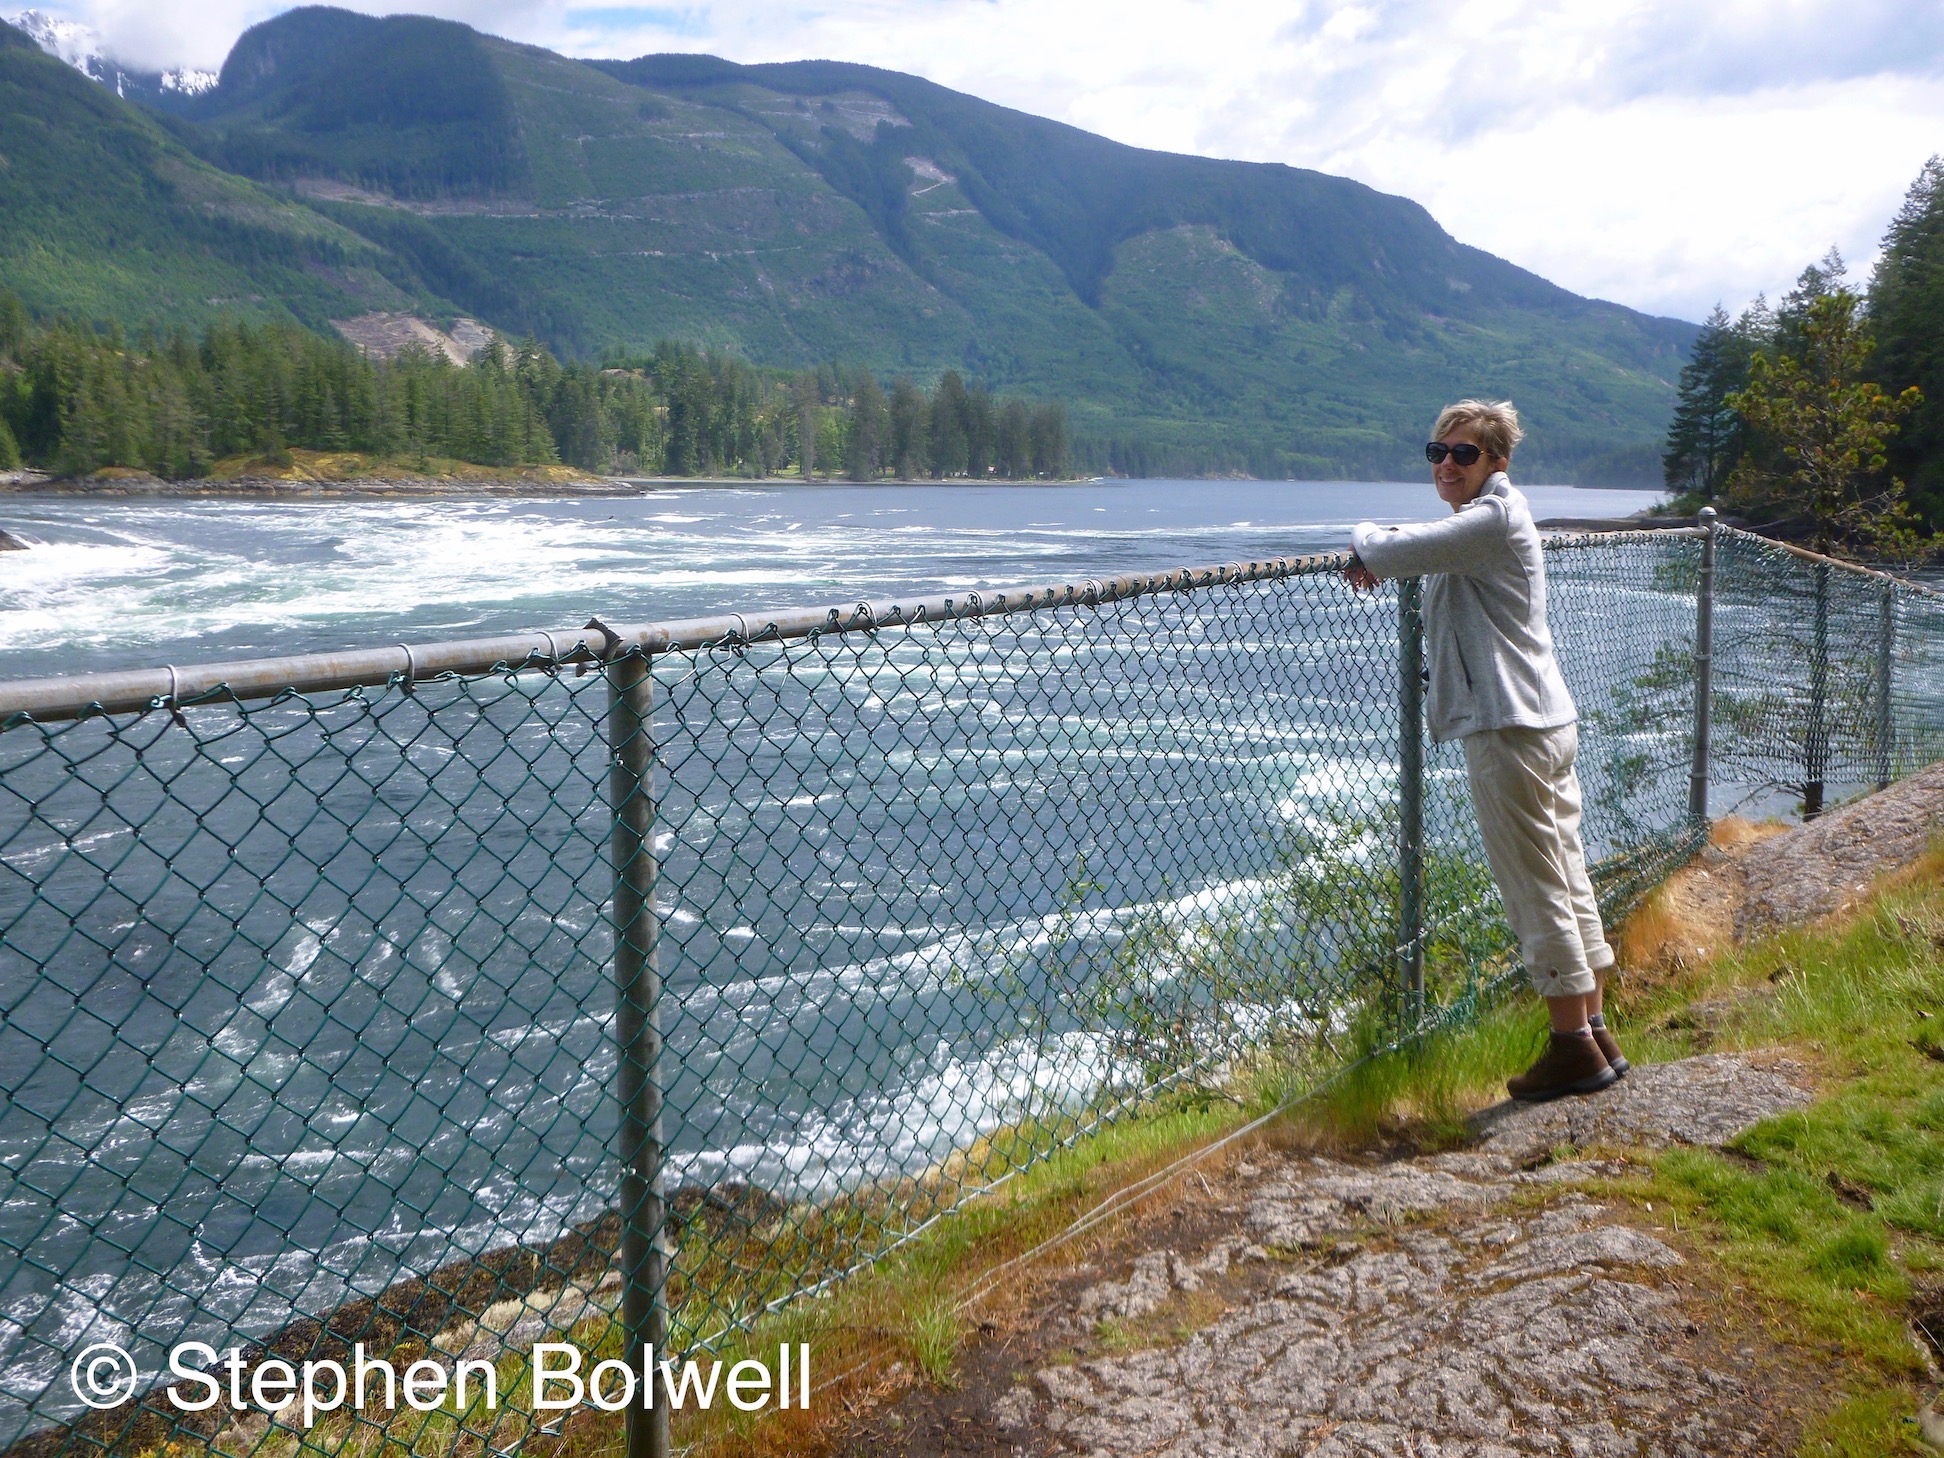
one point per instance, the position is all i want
(1610, 1050)
(1570, 1065)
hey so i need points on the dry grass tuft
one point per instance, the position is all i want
(1691, 916)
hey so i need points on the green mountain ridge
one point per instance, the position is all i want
(105, 213)
(1195, 314)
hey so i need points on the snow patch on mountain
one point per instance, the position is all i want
(188, 80)
(77, 44)
(72, 41)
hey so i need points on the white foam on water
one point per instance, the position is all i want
(274, 992)
(156, 575)
(35, 855)
(551, 1029)
(952, 1100)
(962, 957)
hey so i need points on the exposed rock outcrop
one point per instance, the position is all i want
(383, 336)
(1426, 1307)
(1828, 864)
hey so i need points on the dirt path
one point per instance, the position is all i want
(1471, 1303)
(1478, 1304)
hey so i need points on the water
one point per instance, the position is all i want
(839, 928)
(126, 584)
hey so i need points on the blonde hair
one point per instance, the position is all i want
(1494, 422)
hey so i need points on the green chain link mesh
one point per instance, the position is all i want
(307, 1006)
(1803, 710)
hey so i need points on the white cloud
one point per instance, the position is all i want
(1657, 152)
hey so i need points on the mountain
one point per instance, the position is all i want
(75, 43)
(105, 214)
(1194, 313)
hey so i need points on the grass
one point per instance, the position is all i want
(1835, 1214)
(1423, 1094)
(1831, 1218)
(899, 1321)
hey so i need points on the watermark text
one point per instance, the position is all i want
(104, 1376)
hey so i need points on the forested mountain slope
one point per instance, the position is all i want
(1195, 314)
(104, 214)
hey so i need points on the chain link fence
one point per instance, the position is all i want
(1828, 680)
(615, 987)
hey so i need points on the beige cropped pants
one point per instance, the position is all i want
(1528, 800)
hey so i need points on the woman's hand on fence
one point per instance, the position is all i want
(1360, 576)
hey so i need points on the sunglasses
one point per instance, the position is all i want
(1465, 454)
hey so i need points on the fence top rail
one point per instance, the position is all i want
(80, 695)
(1804, 554)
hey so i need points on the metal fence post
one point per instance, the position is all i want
(1410, 794)
(1815, 747)
(1886, 725)
(1703, 668)
(637, 989)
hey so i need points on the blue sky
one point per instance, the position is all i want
(1663, 153)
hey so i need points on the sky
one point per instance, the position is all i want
(1666, 154)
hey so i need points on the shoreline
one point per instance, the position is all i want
(27, 483)
(354, 488)
(382, 489)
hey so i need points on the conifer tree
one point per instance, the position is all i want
(13, 322)
(864, 456)
(1826, 276)
(948, 415)
(909, 427)
(1050, 441)
(1906, 309)
(807, 411)
(981, 435)
(1015, 449)
(1706, 438)
(1825, 426)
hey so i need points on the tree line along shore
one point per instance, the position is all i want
(79, 399)
(1823, 419)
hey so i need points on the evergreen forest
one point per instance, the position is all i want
(1194, 316)
(1823, 417)
(78, 398)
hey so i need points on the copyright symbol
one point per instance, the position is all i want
(103, 1375)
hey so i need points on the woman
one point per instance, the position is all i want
(1495, 686)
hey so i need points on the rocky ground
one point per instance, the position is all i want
(1754, 878)
(1474, 1304)
(1483, 1303)
(1828, 864)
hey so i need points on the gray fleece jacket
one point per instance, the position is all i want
(1486, 642)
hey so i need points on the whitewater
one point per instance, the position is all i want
(823, 1032)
